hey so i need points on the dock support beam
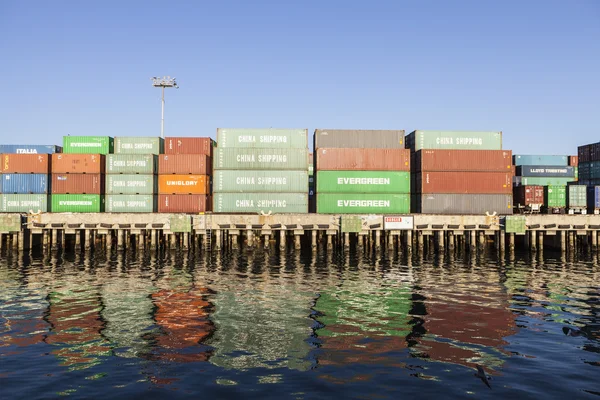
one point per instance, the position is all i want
(594, 241)
(54, 239)
(282, 237)
(441, 244)
(409, 242)
(314, 239)
(297, 243)
(377, 239)
(218, 239)
(473, 243)
(563, 242)
(346, 239)
(541, 242)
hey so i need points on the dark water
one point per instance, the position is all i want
(259, 325)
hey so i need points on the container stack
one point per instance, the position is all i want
(588, 163)
(184, 175)
(261, 171)
(312, 204)
(457, 172)
(361, 172)
(131, 182)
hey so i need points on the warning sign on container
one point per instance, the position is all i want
(398, 223)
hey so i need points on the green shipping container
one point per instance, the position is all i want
(363, 182)
(131, 184)
(130, 203)
(555, 196)
(18, 203)
(263, 138)
(362, 203)
(139, 145)
(514, 224)
(577, 197)
(541, 181)
(260, 181)
(260, 158)
(131, 164)
(87, 203)
(275, 203)
(88, 144)
(454, 140)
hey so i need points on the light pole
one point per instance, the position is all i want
(164, 82)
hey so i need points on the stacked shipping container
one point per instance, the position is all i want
(588, 163)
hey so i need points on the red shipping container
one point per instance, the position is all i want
(77, 184)
(527, 195)
(196, 164)
(338, 159)
(64, 163)
(183, 203)
(25, 164)
(189, 145)
(574, 161)
(463, 160)
(464, 182)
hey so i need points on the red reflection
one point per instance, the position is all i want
(26, 330)
(361, 349)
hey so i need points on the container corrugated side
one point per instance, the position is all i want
(131, 164)
(183, 184)
(545, 171)
(593, 198)
(463, 160)
(260, 181)
(23, 202)
(463, 182)
(78, 163)
(77, 203)
(362, 203)
(352, 138)
(555, 196)
(260, 158)
(368, 159)
(77, 184)
(131, 203)
(131, 184)
(262, 138)
(183, 203)
(573, 161)
(363, 182)
(195, 164)
(189, 145)
(538, 159)
(577, 196)
(276, 203)
(589, 170)
(540, 181)
(453, 140)
(528, 195)
(25, 164)
(139, 145)
(29, 149)
(88, 144)
(24, 183)
(467, 204)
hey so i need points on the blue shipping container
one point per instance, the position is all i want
(29, 149)
(546, 170)
(529, 159)
(24, 183)
(593, 198)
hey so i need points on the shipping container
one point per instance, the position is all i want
(522, 159)
(363, 203)
(573, 161)
(78, 163)
(25, 164)
(589, 152)
(88, 144)
(259, 158)
(540, 181)
(23, 203)
(183, 203)
(347, 138)
(262, 138)
(77, 203)
(463, 204)
(189, 145)
(576, 173)
(545, 171)
(311, 164)
(131, 203)
(577, 197)
(555, 198)
(196, 164)
(363, 182)
(29, 149)
(131, 164)
(267, 203)
(24, 183)
(453, 140)
(463, 160)
(529, 199)
(139, 145)
(260, 181)
(368, 159)
(77, 184)
(183, 184)
(463, 182)
(593, 199)
(589, 170)
(131, 184)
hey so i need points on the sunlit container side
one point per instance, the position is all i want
(577, 197)
(351, 138)
(260, 158)
(183, 184)
(24, 183)
(23, 203)
(92, 203)
(468, 204)
(528, 198)
(195, 164)
(25, 164)
(576, 173)
(545, 160)
(573, 161)
(368, 159)
(183, 203)
(545, 171)
(362, 203)
(131, 164)
(88, 144)
(29, 149)
(139, 145)
(311, 164)
(463, 182)
(78, 163)
(189, 145)
(453, 140)
(540, 181)
(363, 182)
(131, 203)
(593, 199)
(260, 181)
(77, 184)
(131, 184)
(274, 203)
(262, 138)
(555, 197)
(463, 160)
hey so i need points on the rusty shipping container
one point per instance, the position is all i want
(77, 184)
(475, 204)
(463, 182)
(369, 159)
(198, 164)
(25, 164)
(183, 203)
(349, 138)
(463, 160)
(183, 184)
(77, 163)
(189, 145)
(573, 161)
(528, 195)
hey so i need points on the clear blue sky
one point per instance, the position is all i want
(528, 68)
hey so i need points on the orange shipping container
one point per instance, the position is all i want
(77, 184)
(25, 164)
(183, 184)
(200, 164)
(189, 145)
(463, 160)
(574, 161)
(464, 182)
(363, 159)
(183, 203)
(64, 163)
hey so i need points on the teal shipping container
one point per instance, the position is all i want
(131, 164)
(23, 203)
(262, 138)
(139, 145)
(453, 140)
(260, 158)
(88, 144)
(130, 203)
(261, 203)
(529, 159)
(131, 184)
(260, 181)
